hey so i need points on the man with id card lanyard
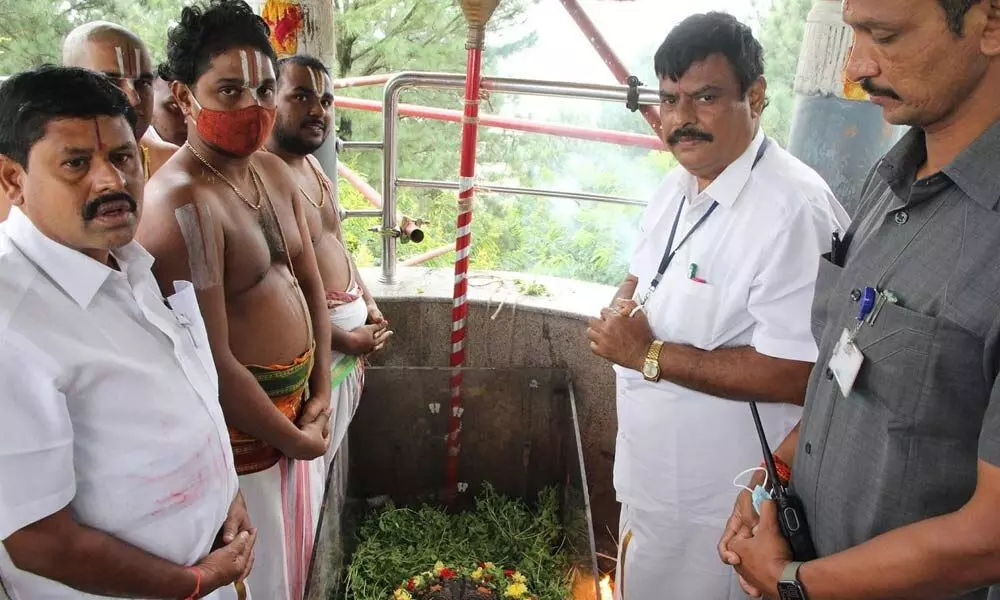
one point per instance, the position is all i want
(897, 459)
(714, 312)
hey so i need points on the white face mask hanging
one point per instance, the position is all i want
(758, 493)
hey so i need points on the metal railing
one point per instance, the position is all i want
(389, 144)
(396, 83)
(503, 189)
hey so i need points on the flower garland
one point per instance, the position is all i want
(505, 583)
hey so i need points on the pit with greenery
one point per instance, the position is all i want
(397, 545)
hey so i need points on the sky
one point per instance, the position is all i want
(633, 29)
(629, 26)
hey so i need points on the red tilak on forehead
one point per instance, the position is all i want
(97, 134)
(253, 71)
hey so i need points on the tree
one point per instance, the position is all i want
(781, 32)
(31, 33)
(392, 35)
(580, 240)
(556, 237)
(375, 36)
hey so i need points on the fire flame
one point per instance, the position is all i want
(607, 592)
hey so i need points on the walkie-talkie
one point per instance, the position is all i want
(791, 516)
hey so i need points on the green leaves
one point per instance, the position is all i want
(397, 543)
(781, 34)
(31, 33)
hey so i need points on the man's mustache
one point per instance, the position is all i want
(689, 133)
(318, 122)
(90, 208)
(873, 90)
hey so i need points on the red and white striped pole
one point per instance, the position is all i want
(477, 13)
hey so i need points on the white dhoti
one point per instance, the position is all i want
(348, 311)
(661, 557)
(284, 504)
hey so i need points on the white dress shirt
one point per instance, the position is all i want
(678, 450)
(109, 404)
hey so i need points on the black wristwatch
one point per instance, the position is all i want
(789, 587)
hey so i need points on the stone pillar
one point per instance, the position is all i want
(835, 130)
(305, 27)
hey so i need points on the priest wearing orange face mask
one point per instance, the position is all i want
(230, 220)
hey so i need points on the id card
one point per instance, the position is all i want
(846, 362)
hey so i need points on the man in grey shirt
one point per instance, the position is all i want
(898, 459)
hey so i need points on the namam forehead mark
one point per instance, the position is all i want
(253, 68)
(318, 80)
(128, 70)
(129, 58)
(123, 58)
(247, 69)
(198, 230)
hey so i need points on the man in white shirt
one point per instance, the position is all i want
(735, 233)
(116, 475)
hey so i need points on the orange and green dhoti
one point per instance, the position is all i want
(283, 495)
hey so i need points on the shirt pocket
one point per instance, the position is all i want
(827, 282)
(695, 322)
(896, 349)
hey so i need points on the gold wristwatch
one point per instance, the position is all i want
(651, 368)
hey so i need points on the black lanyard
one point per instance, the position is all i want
(670, 252)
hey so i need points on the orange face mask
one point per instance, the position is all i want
(239, 132)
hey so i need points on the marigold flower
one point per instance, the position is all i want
(402, 594)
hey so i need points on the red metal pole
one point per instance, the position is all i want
(620, 138)
(463, 243)
(618, 69)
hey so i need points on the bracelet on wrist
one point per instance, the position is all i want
(197, 583)
(784, 471)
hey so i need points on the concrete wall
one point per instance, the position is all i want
(509, 329)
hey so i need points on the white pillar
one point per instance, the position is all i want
(829, 39)
(835, 129)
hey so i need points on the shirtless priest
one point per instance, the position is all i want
(304, 115)
(230, 219)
